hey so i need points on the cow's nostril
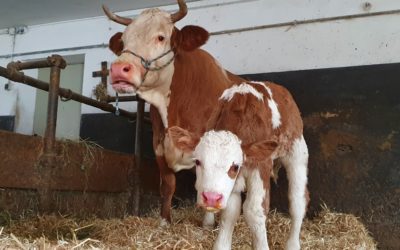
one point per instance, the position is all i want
(219, 197)
(126, 69)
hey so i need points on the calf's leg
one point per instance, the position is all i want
(296, 169)
(228, 219)
(208, 220)
(254, 211)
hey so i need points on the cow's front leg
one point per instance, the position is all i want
(228, 220)
(254, 211)
(167, 189)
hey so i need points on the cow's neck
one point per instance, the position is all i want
(158, 96)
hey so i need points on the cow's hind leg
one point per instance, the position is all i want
(228, 220)
(296, 168)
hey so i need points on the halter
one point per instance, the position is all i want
(147, 63)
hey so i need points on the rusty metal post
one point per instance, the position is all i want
(47, 160)
(57, 63)
(134, 173)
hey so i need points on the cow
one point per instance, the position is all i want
(165, 66)
(253, 125)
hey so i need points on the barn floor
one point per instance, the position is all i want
(328, 230)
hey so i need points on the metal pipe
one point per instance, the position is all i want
(132, 98)
(31, 64)
(47, 160)
(134, 175)
(102, 45)
(67, 94)
(307, 21)
(57, 63)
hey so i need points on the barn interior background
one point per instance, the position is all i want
(339, 59)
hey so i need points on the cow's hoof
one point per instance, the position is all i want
(164, 223)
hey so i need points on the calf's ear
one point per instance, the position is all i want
(190, 37)
(259, 151)
(183, 139)
(115, 44)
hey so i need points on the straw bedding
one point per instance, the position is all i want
(326, 231)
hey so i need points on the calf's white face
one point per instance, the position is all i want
(218, 159)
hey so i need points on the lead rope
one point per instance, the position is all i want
(116, 104)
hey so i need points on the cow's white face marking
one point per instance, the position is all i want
(216, 152)
(149, 36)
(276, 115)
(242, 89)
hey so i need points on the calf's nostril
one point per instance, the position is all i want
(204, 197)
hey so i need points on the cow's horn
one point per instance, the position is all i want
(116, 18)
(181, 13)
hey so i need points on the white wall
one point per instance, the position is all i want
(350, 42)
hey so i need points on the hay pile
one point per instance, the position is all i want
(326, 231)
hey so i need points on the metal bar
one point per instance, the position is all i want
(134, 176)
(298, 22)
(16, 76)
(102, 45)
(30, 65)
(58, 63)
(132, 98)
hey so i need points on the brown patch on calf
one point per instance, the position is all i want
(115, 44)
(259, 151)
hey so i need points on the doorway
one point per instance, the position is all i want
(68, 113)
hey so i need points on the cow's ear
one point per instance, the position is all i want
(191, 37)
(116, 45)
(183, 139)
(259, 151)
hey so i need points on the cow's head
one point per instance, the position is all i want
(218, 157)
(148, 46)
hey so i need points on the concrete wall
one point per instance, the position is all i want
(324, 44)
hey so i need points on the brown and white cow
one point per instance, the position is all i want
(253, 124)
(166, 68)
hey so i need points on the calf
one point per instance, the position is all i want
(253, 124)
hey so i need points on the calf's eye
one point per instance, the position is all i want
(233, 171)
(197, 163)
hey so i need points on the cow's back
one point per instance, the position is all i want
(197, 83)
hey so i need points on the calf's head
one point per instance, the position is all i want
(219, 157)
(148, 46)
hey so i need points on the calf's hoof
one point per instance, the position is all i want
(292, 245)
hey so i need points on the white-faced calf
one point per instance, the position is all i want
(253, 124)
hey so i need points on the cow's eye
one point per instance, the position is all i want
(197, 163)
(161, 38)
(233, 171)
